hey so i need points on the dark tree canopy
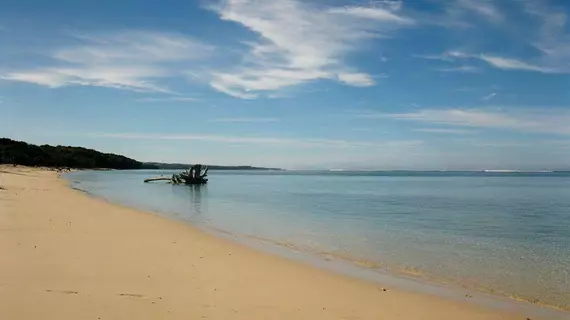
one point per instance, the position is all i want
(22, 153)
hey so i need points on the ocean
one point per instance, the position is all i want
(506, 233)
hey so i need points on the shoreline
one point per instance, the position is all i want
(90, 256)
(412, 279)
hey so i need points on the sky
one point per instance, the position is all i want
(320, 84)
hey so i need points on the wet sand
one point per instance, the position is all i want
(66, 255)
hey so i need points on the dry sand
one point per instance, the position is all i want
(65, 255)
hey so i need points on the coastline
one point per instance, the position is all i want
(74, 256)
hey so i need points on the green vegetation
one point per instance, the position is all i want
(22, 153)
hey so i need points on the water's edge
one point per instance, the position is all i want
(382, 277)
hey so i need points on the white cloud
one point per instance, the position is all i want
(489, 96)
(529, 120)
(462, 14)
(300, 42)
(220, 86)
(50, 78)
(134, 46)
(544, 28)
(132, 60)
(266, 80)
(552, 38)
(373, 13)
(169, 99)
(296, 142)
(357, 79)
(118, 77)
(448, 56)
(483, 8)
(492, 60)
(512, 64)
(462, 69)
(505, 144)
(246, 120)
(444, 131)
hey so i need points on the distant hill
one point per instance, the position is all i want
(172, 166)
(22, 153)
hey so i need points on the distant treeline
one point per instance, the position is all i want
(22, 153)
(174, 166)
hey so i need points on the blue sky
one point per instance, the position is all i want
(458, 84)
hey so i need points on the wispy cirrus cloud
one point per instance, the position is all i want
(486, 9)
(492, 60)
(246, 120)
(269, 141)
(461, 69)
(552, 38)
(300, 41)
(526, 120)
(547, 35)
(132, 60)
(444, 131)
(361, 129)
(168, 99)
(489, 96)
(357, 79)
(512, 64)
(132, 78)
(388, 13)
(462, 14)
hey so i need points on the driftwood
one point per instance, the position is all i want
(196, 174)
(157, 179)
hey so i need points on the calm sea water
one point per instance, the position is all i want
(503, 232)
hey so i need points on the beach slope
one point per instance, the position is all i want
(66, 255)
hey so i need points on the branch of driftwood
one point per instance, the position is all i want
(196, 174)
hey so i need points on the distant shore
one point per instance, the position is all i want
(69, 256)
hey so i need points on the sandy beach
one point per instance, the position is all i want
(66, 255)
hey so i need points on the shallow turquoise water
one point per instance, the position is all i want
(505, 232)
